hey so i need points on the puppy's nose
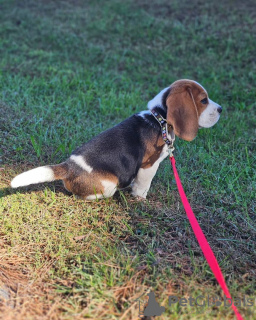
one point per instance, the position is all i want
(219, 109)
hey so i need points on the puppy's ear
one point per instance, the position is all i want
(182, 113)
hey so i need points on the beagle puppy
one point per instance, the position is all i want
(130, 152)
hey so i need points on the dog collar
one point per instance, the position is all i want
(164, 130)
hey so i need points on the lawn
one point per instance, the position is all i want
(68, 71)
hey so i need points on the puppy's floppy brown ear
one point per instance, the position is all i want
(182, 113)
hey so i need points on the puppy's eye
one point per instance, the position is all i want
(204, 101)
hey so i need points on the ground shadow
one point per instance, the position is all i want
(56, 187)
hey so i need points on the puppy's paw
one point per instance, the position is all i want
(139, 198)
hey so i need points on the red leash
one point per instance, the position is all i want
(207, 251)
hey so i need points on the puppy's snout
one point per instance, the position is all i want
(219, 109)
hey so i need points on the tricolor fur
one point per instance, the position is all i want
(130, 152)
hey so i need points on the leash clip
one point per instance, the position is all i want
(170, 150)
(170, 141)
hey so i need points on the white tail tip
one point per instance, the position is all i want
(37, 175)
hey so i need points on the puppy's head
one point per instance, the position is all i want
(188, 108)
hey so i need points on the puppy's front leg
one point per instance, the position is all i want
(142, 182)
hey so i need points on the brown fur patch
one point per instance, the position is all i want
(60, 170)
(154, 147)
(87, 184)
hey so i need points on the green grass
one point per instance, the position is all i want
(71, 69)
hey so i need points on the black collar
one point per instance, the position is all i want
(164, 127)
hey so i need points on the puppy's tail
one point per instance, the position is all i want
(41, 174)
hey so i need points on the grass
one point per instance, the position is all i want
(69, 70)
